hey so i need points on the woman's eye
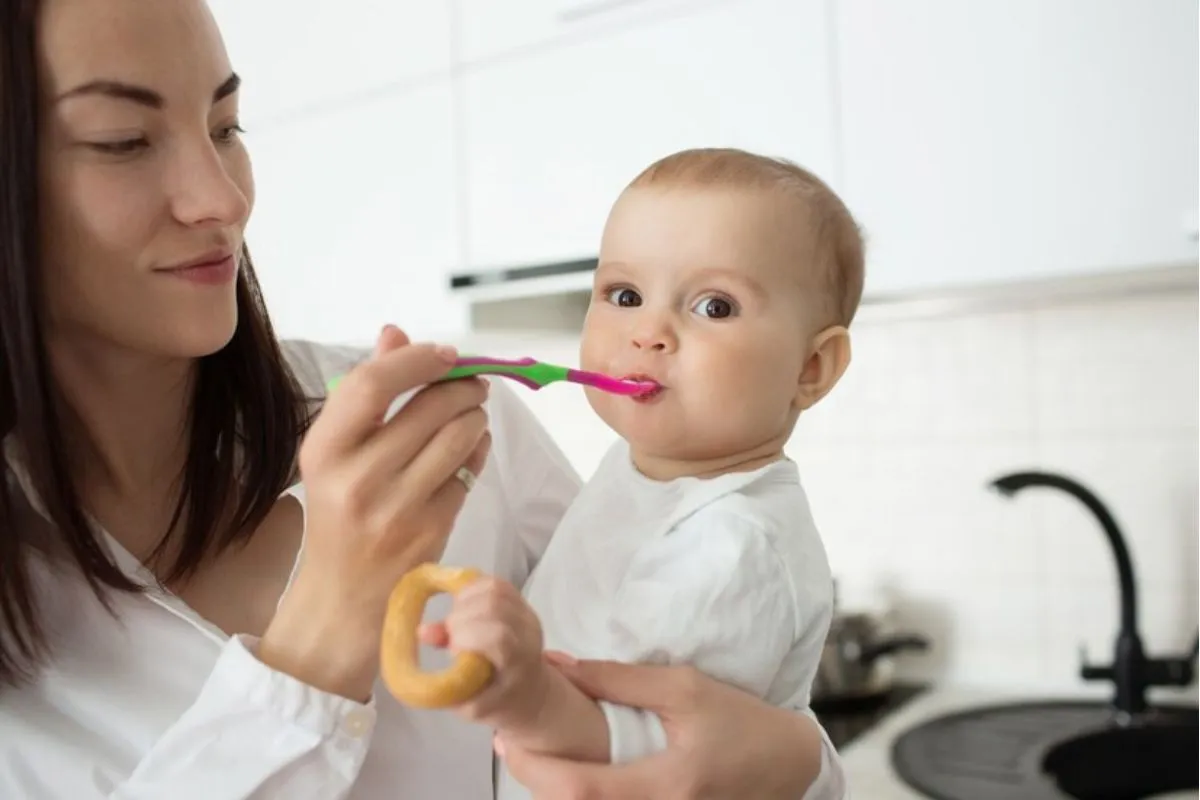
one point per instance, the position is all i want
(122, 148)
(715, 308)
(229, 133)
(626, 298)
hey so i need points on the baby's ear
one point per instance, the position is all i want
(825, 366)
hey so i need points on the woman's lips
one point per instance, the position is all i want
(217, 272)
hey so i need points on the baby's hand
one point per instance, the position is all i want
(491, 618)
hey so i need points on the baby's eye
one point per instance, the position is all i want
(624, 297)
(715, 308)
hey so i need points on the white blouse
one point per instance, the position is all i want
(154, 702)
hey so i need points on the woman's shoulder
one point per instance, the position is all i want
(315, 363)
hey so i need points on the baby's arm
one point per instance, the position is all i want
(568, 724)
(715, 594)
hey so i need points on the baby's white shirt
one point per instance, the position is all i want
(727, 574)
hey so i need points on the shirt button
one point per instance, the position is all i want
(357, 723)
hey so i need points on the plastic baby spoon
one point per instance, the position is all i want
(538, 374)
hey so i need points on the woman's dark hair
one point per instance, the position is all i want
(248, 412)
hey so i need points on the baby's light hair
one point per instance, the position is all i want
(838, 240)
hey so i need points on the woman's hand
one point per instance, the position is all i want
(721, 742)
(382, 497)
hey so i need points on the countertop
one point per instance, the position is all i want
(867, 759)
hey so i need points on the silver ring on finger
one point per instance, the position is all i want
(466, 477)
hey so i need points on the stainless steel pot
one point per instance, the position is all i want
(856, 663)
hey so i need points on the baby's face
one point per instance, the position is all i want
(704, 291)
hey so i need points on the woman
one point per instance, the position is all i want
(177, 618)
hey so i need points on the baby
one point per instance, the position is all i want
(730, 280)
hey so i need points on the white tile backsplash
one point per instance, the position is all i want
(1103, 369)
(925, 380)
(897, 459)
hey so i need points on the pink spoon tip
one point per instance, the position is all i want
(641, 387)
(613, 385)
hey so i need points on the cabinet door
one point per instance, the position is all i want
(995, 140)
(488, 29)
(355, 221)
(303, 54)
(552, 137)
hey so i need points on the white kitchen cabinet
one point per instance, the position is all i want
(356, 219)
(997, 140)
(551, 137)
(488, 29)
(307, 54)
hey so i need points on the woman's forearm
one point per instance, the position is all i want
(336, 652)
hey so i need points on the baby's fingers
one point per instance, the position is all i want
(491, 593)
(487, 599)
(476, 634)
(434, 634)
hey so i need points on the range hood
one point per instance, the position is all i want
(535, 280)
(551, 296)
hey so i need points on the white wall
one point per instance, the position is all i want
(897, 459)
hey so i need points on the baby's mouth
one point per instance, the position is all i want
(653, 388)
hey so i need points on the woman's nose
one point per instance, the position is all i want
(206, 192)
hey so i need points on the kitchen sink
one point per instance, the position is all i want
(1052, 751)
(1135, 761)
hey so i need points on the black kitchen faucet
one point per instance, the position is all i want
(1131, 671)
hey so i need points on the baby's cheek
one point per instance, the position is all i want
(596, 342)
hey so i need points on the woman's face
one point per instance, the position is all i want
(145, 183)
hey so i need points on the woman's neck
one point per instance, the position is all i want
(125, 416)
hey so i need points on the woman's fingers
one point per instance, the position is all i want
(354, 411)
(391, 474)
(401, 482)
(448, 500)
(390, 338)
(476, 462)
(433, 467)
(551, 778)
(423, 418)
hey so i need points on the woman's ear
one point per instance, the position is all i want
(825, 366)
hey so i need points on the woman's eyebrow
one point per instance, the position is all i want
(142, 95)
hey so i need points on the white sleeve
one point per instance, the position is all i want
(538, 479)
(830, 783)
(254, 733)
(713, 593)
